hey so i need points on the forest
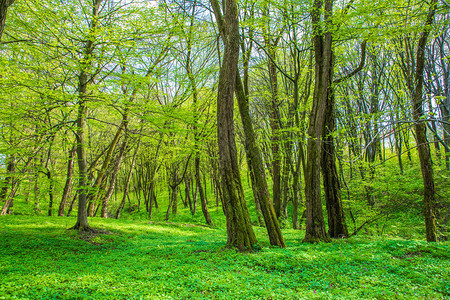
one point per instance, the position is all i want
(224, 149)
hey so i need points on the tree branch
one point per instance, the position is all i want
(359, 68)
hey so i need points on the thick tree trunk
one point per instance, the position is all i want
(4, 4)
(315, 224)
(255, 193)
(420, 130)
(239, 230)
(337, 227)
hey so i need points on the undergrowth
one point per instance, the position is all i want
(139, 259)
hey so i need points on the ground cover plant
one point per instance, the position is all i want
(41, 259)
(224, 149)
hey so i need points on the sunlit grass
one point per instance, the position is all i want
(41, 259)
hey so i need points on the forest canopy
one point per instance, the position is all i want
(328, 117)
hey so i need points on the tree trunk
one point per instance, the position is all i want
(83, 81)
(10, 175)
(420, 130)
(82, 222)
(200, 190)
(315, 224)
(92, 196)
(255, 193)
(239, 230)
(275, 137)
(445, 115)
(337, 227)
(4, 4)
(50, 192)
(9, 200)
(72, 204)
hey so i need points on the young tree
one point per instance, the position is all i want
(423, 147)
(84, 80)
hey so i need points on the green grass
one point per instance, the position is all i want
(40, 259)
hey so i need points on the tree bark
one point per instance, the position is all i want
(275, 137)
(4, 4)
(420, 129)
(82, 221)
(239, 230)
(109, 192)
(9, 200)
(337, 227)
(315, 224)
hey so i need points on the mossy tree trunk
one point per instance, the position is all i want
(315, 224)
(239, 230)
(253, 153)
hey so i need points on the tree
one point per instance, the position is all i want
(4, 4)
(322, 41)
(239, 230)
(423, 147)
(84, 80)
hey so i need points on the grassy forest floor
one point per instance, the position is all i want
(139, 259)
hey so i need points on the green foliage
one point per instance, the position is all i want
(40, 259)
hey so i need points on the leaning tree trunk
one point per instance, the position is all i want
(128, 180)
(109, 192)
(201, 191)
(420, 129)
(253, 153)
(92, 196)
(239, 230)
(193, 84)
(10, 198)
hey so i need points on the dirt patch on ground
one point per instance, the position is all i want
(94, 236)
